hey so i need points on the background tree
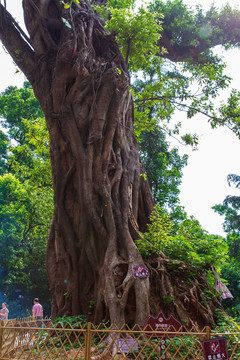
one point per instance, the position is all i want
(101, 202)
(190, 34)
(26, 201)
(230, 210)
(22, 258)
(3, 151)
(163, 167)
(153, 94)
(17, 105)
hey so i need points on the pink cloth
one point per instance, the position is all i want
(225, 293)
(37, 310)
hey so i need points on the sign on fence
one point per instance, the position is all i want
(161, 323)
(215, 349)
(127, 345)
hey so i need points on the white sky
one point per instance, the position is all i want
(205, 178)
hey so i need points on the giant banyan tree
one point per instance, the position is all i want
(100, 200)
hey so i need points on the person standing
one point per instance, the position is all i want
(4, 312)
(37, 310)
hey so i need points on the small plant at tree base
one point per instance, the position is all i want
(70, 321)
(167, 299)
(181, 346)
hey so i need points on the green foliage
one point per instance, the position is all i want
(23, 234)
(14, 204)
(195, 246)
(155, 91)
(210, 292)
(4, 143)
(163, 87)
(26, 199)
(16, 105)
(191, 86)
(163, 167)
(231, 270)
(66, 338)
(231, 222)
(188, 28)
(179, 22)
(137, 32)
(65, 321)
(210, 78)
(210, 278)
(167, 299)
(230, 113)
(180, 346)
(158, 237)
(121, 4)
(230, 210)
(220, 318)
(190, 139)
(31, 161)
(188, 242)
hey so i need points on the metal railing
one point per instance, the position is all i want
(28, 339)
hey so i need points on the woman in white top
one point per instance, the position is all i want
(4, 312)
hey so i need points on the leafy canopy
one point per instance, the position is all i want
(137, 31)
(137, 34)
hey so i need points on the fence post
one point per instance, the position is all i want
(1, 335)
(88, 342)
(208, 332)
(14, 333)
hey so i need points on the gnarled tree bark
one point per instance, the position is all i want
(82, 84)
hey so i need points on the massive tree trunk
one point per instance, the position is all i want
(82, 84)
(101, 201)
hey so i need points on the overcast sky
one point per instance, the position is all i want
(205, 178)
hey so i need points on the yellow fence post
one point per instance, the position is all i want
(14, 333)
(88, 342)
(208, 332)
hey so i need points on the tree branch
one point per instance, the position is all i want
(191, 43)
(175, 103)
(189, 53)
(12, 39)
